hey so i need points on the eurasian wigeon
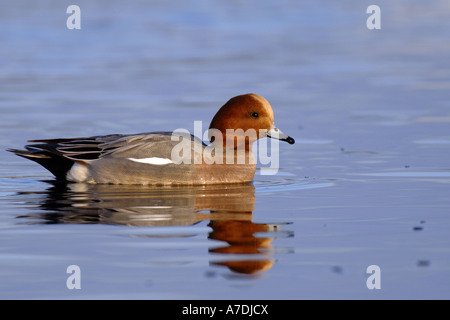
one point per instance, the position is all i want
(165, 157)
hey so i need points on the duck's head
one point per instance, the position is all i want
(250, 114)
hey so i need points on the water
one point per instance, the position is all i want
(367, 182)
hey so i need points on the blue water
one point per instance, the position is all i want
(367, 182)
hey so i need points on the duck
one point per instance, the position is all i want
(165, 158)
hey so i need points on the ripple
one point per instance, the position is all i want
(293, 187)
(285, 182)
(313, 141)
(406, 174)
(432, 141)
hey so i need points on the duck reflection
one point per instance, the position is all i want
(228, 207)
(241, 239)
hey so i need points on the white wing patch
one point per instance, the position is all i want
(153, 160)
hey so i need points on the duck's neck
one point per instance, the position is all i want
(230, 154)
(233, 146)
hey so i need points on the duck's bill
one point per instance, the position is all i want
(276, 133)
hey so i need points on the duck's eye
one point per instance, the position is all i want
(254, 114)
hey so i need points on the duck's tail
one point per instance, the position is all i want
(57, 164)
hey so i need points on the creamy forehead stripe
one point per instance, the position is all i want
(152, 160)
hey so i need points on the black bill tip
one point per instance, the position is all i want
(289, 140)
